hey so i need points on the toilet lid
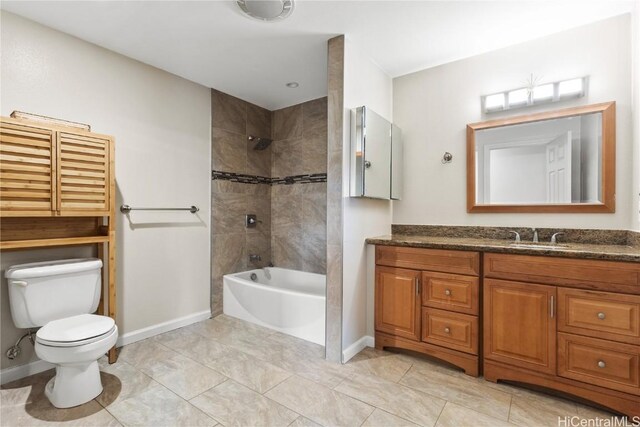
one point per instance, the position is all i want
(75, 328)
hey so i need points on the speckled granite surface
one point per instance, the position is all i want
(572, 235)
(616, 245)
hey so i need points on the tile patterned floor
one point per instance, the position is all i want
(227, 372)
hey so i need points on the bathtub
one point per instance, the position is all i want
(288, 301)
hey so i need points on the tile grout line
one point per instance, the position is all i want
(463, 404)
(441, 411)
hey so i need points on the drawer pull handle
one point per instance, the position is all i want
(601, 364)
(601, 316)
(447, 292)
(447, 330)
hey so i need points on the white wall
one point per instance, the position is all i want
(364, 84)
(161, 125)
(433, 106)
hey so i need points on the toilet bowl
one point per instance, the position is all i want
(58, 296)
(74, 345)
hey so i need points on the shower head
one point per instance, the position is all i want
(261, 143)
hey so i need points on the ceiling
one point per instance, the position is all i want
(212, 43)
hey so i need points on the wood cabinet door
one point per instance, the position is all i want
(83, 170)
(520, 325)
(27, 170)
(397, 302)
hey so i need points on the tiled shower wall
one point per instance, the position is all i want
(273, 184)
(233, 120)
(299, 210)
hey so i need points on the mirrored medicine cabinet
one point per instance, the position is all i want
(558, 161)
(376, 156)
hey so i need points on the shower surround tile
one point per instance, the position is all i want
(314, 116)
(258, 121)
(229, 151)
(229, 113)
(335, 110)
(241, 181)
(227, 213)
(286, 249)
(298, 209)
(284, 185)
(287, 122)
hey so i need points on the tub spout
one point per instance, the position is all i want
(254, 258)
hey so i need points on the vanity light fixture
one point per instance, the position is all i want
(494, 102)
(535, 95)
(571, 87)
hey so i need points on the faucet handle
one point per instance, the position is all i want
(554, 238)
(516, 234)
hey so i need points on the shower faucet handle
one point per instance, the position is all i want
(251, 220)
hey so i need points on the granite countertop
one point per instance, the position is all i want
(611, 252)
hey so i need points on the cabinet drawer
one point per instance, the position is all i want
(609, 276)
(599, 314)
(460, 262)
(451, 330)
(599, 362)
(450, 292)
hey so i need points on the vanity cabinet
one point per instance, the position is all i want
(427, 300)
(519, 326)
(567, 324)
(398, 302)
(50, 171)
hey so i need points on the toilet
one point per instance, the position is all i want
(58, 297)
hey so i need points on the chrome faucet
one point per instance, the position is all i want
(517, 236)
(535, 235)
(554, 238)
(254, 258)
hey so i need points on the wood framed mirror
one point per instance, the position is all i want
(560, 161)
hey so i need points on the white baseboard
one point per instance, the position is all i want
(357, 347)
(35, 367)
(160, 328)
(21, 371)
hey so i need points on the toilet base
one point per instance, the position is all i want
(74, 384)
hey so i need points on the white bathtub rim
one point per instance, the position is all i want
(258, 285)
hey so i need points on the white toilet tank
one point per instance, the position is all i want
(44, 291)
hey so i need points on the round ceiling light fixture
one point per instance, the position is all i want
(293, 85)
(266, 10)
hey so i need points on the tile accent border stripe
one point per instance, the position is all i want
(256, 179)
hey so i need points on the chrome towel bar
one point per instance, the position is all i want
(125, 209)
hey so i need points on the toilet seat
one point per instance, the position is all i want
(75, 331)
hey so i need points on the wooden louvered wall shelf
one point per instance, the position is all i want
(57, 188)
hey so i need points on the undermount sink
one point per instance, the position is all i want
(538, 246)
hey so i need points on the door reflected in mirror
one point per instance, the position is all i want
(561, 161)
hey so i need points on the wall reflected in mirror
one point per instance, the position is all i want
(550, 161)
